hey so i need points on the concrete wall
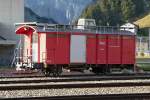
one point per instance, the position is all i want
(11, 11)
(6, 55)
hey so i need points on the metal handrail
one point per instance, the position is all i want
(79, 28)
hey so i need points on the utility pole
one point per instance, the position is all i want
(149, 38)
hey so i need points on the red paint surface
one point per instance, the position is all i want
(91, 49)
(63, 49)
(50, 48)
(101, 49)
(25, 30)
(57, 47)
(114, 49)
(128, 49)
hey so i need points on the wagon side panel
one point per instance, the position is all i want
(101, 49)
(114, 49)
(91, 49)
(50, 48)
(128, 50)
(62, 49)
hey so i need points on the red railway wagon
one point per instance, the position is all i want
(55, 47)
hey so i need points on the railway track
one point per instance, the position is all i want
(67, 83)
(74, 74)
(141, 96)
(68, 79)
(46, 83)
(26, 74)
(77, 85)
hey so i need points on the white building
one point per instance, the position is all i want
(129, 27)
(85, 23)
(11, 11)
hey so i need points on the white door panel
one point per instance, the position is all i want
(78, 49)
(35, 52)
(43, 47)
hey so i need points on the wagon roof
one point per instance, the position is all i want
(30, 27)
(25, 29)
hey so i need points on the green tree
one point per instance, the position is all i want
(93, 11)
(128, 9)
(115, 12)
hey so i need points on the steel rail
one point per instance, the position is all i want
(72, 75)
(60, 85)
(135, 96)
(72, 79)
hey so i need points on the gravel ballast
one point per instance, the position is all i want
(74, 91)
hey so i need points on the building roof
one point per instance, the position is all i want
(143, 22)
(2, 38)
(4, 41)
(7, 42)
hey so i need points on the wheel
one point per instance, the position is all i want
(45, 72)
(54, 71)
(98, 70)
(57, 71)
(55, 74)
(107, 70)
(95, 70)
(128, 69)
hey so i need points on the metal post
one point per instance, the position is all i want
(140, 44)
(149, 38)
(20, 50)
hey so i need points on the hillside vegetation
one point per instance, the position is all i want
(116, 12)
